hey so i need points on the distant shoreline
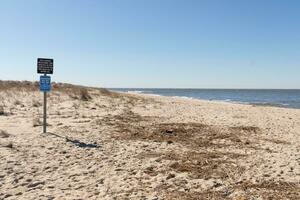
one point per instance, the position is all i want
(255, 97)
(121, 88)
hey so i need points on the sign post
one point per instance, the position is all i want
(45, 66)
(45, 113)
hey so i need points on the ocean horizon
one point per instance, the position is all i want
(288, 98)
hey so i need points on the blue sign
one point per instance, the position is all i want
(45, 83)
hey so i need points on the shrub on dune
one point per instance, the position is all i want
(84, 95)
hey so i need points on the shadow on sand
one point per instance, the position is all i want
(75, 142)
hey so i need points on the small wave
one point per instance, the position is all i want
(143, 92)
(156, 95)
(135, 91)
(270, 104)
(183, 97)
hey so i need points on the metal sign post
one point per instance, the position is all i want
(45, 113)
(45, 66)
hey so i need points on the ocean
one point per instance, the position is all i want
(274, 97)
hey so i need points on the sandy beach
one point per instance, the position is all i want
(107, 145)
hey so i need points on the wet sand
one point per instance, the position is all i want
(104, 145)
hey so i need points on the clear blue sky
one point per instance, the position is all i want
(154, 43)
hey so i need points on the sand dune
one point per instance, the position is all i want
(105, 145)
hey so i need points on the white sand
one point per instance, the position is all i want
(147, 147)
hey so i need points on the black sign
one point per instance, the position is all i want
(44, 66)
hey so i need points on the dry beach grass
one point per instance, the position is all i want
(106, 145)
